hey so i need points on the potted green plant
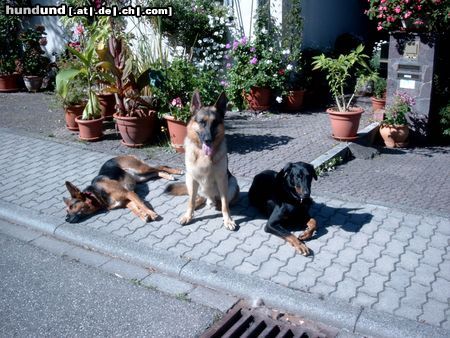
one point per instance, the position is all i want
(10, 48)
(344, 118)
(255, 70)
(255, 75)
(394, 127)
(90, 123)
(74, 102)
(379, 93)
(135, 117)
(172, 92)
(196, 24)
(292, 51)
(35, 63)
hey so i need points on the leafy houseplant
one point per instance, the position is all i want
(444, 119)
(404, 15)
(292, 52)
(255, 68)
(74, 102)
(134, 116)
(10, 47)
(91, 121)
(35, 63)
(379, 87)
(190, 22)
(172, 91)
(394, 128)
(379, 97)
(338, 73)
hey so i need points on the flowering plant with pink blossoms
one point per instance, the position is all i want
(396, 112)
(407, 15)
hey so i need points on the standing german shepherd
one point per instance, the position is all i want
(113, 187)
(206, 162)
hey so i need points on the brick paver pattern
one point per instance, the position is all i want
(368, 255)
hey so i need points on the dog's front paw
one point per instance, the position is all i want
(229, 224)
(311, 227)
(301, 248)
(185, 219)
(153, 216)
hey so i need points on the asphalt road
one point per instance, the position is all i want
(46, 295)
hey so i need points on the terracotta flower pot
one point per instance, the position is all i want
(33, 83)
(136, 131)
(90, 130)
(9, 83)
(259, 98)
(394, 135)
(177, 132)
(344, 125)
(71, 113)
(107, 105)
(378, 103)
(294, 100)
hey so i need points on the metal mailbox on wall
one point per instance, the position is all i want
(410, 70)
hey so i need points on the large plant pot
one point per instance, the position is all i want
(259, 98)
(9, 83)
(33, 83)
(136, 131)
(107, 105)
(90, 130)
(71, 113)
(378, 103)
(394, 135)
(177, 132)
(344, 125)
(294, 100)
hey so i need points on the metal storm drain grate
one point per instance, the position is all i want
(243, 321)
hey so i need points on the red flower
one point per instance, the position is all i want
(281, 71)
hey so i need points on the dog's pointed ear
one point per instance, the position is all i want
(196, 102)
(283, 172)
(221, 104)
(312, 171)
(74, 191)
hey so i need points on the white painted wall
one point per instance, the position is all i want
(55, 40)
(324, 21)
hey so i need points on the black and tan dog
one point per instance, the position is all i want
(284, 197)
(113, 187)
(206, 158)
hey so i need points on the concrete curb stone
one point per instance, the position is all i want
(330, 311)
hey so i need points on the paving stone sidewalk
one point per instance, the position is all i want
(255, 141)
(367, 255)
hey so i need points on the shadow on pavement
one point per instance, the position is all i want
(346, 218)
(242, 144)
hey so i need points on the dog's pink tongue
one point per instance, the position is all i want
(207, 150)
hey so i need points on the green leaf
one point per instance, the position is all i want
(78, 55)
(92, 109)
(63, 78)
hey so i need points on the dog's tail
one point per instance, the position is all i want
(176, 189)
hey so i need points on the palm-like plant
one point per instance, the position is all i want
(338, 72)
(87, 67)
